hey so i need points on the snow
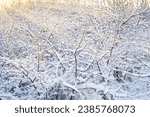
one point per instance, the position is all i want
(63, 52)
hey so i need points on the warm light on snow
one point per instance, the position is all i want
(9, 3)
(93, 3)
(5, 2)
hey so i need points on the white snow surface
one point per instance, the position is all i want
(63, 52)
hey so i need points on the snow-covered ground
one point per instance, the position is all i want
(72, 52)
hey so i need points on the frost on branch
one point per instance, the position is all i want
(52, 52)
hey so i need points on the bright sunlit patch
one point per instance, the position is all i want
(5, 3)
(93, 3)
(10, 3)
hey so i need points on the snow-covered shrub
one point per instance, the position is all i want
(52, 52)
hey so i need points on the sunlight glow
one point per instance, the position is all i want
(10, 3)
(94, 3)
